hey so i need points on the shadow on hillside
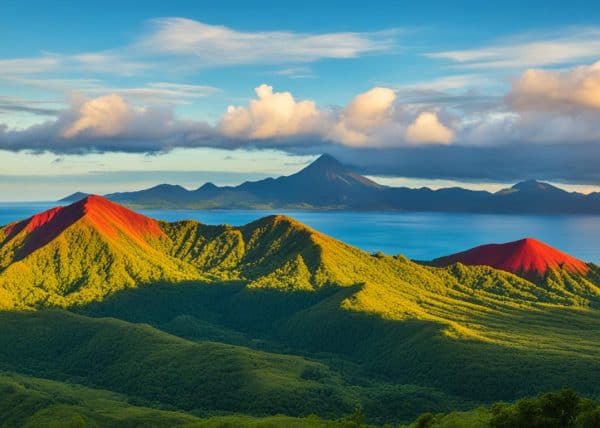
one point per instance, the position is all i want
(354, 343)
(157, 370)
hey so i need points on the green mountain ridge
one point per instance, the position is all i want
(85, 262)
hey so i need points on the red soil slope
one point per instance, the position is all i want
(527, 257)
(107, 218)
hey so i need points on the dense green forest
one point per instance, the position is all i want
(33, 402)
(27, 401)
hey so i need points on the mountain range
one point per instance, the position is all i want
(276, 318)
(326, 184)
(60, 255)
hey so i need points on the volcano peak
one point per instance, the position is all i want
(527, 257)
(106, 217)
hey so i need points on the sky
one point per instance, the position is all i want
(111, 96)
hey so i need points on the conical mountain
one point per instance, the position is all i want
(108, 219)
(535, 186)
(326, 167)
(82, 252)
(324, 183)
(527, 257)
(531, 187)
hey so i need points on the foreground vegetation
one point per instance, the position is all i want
(32, 402)
(563, 409)
(27, 401)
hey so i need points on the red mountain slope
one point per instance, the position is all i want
(527, 257)
(106, 217)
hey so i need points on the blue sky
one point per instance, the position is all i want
(111, 96)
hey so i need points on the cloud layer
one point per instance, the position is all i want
(545, 126)
(542, 122)
(375, 118)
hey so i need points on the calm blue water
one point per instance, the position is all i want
(421, 236)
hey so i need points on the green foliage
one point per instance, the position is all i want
(403, 352)
(564, 409)
(141, 361)
(355, 420)
(32, 402)
(558, 410)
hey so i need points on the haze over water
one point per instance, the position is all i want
(420, 236)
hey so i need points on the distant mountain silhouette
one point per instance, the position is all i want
(323, 183)
(74, 197)
(327, 184)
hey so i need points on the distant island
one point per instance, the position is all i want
(327, 184)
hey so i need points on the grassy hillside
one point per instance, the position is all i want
(29, 402)
(32, 402)
(159, 369)
(144, 362)
(405, 351)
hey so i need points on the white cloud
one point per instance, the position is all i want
(299, 72)
(118, 61)
(279, 114)
(576, 88)
(370, 108)
(362, 116)
(110, 123)
(568, 46)
(104, 116)
(272, 114)
(542, 107)
(164, 92)
(427, 128)
(444, 83)
(18, 66)
(151, 93)
(219, 45)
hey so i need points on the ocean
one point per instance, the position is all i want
(417, 235)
